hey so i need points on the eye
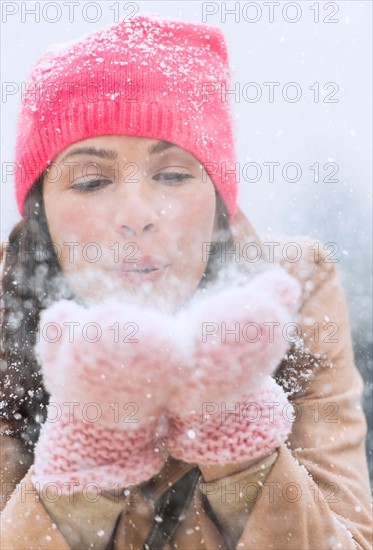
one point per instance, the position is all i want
(90, 185)
(172, 178)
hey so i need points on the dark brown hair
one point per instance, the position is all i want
(30, 282)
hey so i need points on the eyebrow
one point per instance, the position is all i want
(159, 147)
(110, 154)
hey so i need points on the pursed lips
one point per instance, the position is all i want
(146, 268)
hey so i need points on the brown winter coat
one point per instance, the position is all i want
(313, 492)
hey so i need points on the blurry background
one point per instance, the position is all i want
(324, 49)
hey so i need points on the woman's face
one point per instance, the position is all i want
(130, 214)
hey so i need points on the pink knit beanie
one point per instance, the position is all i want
(146, 77)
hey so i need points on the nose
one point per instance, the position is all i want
(135, 209)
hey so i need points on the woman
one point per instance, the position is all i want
(163, 431)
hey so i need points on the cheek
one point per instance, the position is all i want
(194, 226)
(73, 215)
(70, 228)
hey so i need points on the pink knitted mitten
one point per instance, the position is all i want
(229, 432)
(231, 372)
(105, 368)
